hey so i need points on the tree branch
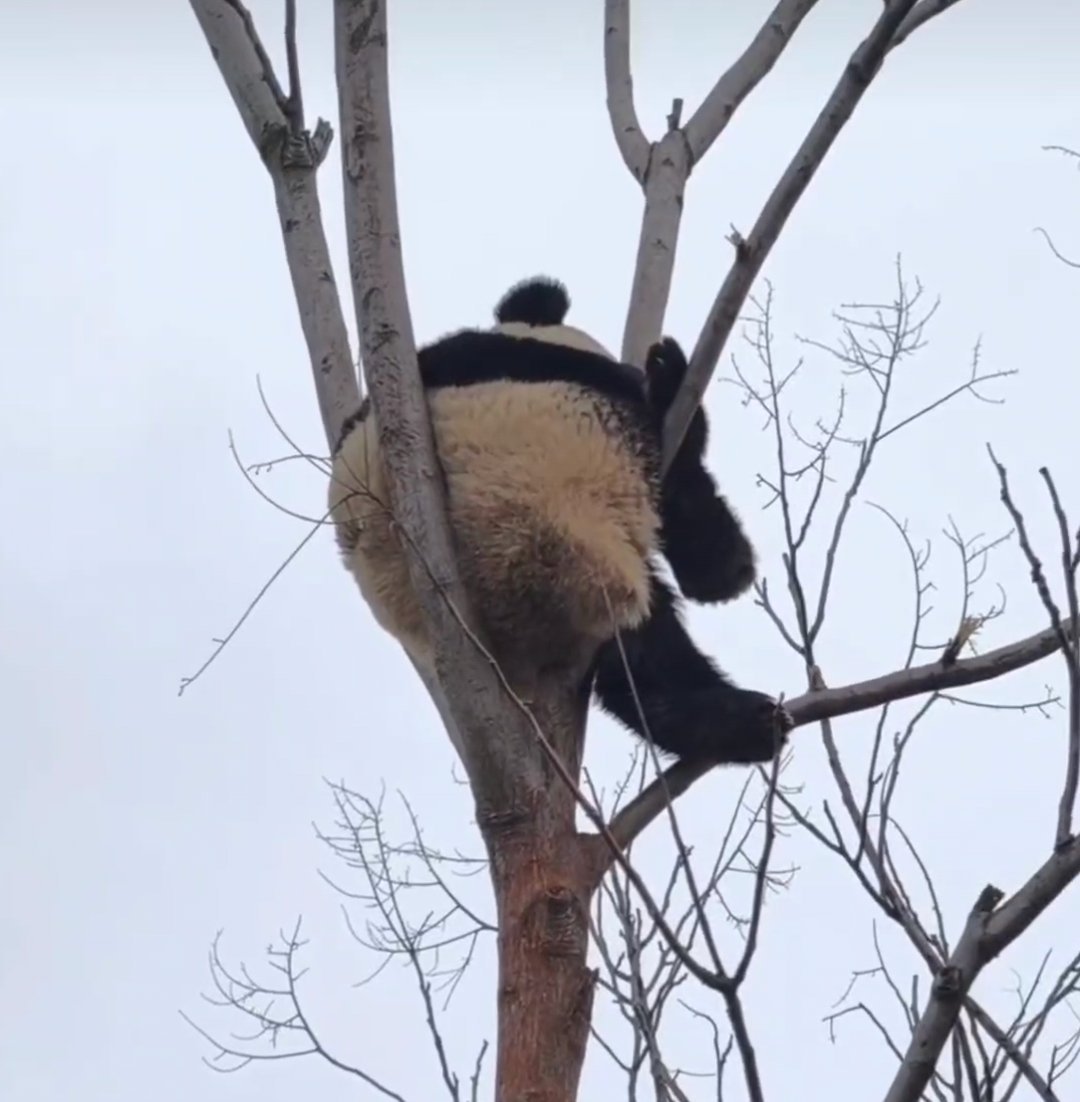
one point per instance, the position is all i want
(275, 125)
(497, 750)
(822, 704)
(654, 265)
(274, 1012)
(753, 66)
(1012, 1050)
(750, 253)
(244, 66)
(663, 167)
(1043, 886)
(632, 143)
(922, 13)
(943, 1007)
(987, 933)
(295, 99)
(316, 292)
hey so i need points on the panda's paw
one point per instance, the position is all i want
(665, 369)
(756, 727)
(710, 578)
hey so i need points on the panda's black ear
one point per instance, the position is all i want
(535, 301)
(665, 369)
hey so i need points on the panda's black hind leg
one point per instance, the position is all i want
(679, 698)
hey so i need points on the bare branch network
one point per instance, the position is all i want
(523, 761)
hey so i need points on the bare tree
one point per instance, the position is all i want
(527, 781)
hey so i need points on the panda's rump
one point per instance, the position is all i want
(369, 541)
(551, 509)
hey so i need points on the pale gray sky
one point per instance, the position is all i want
(143, 287)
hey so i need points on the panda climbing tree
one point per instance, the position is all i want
(506, 499)
(550, 451)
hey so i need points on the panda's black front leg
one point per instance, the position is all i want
(710, 556)
(677, 697)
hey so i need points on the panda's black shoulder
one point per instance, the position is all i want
(472, 357)
(538, 300)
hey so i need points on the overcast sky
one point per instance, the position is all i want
(142, 290)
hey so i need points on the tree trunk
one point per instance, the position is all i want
(545, 987)
(544, 877)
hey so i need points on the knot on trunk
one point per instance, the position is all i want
(557, 923)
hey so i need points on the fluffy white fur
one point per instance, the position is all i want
(558, 515)
(551, 513)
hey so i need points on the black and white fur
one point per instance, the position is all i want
(550, 450)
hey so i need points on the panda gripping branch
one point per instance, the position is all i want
(551, 450)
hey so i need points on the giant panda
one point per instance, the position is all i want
(550, 451)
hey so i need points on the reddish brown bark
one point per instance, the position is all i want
(545, 987)
(544, 874)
